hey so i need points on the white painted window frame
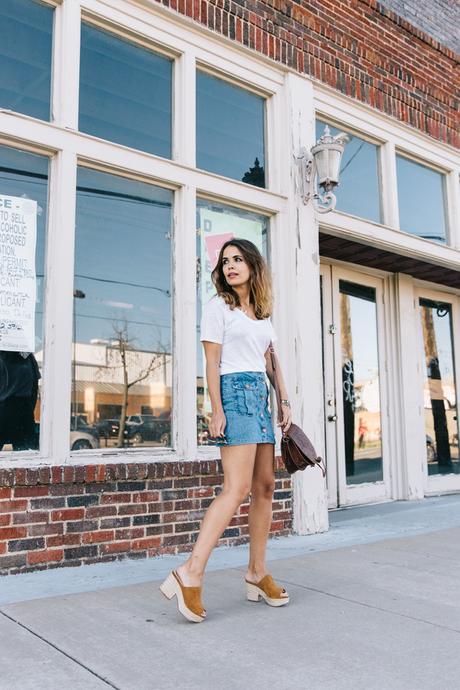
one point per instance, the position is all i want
(67, 149)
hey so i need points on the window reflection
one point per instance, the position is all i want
(359, 189)
(122, 368)
(421, 200)
(26, 28)
(23, 207)
(230, 130)
(125, 92)
(440, 394)
(216, 224)
(360, 384)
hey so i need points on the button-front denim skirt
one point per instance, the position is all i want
(245, 398)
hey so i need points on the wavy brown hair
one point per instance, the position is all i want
(260, 285)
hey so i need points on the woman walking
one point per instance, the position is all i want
(236, 332)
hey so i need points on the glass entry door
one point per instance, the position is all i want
(439, 359)
(354, 384)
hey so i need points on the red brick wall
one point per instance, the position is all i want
(358, 47)
(67, 516)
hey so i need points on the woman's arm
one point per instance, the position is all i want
(285, 409)
(218, 422)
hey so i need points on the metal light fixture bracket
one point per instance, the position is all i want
(328, 150)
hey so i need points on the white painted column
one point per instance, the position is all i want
(66, 64)
(184, 333)
(300, 300)
(411, 425)
(389, 185)
(59, 306)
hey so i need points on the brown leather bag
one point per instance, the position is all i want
(296, 448)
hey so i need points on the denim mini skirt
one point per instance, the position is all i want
(245, 398)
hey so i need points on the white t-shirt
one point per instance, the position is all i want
(244, 340)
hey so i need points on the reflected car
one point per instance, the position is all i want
(147, 427)
(108, 428)
(79, 423)
(80, 440)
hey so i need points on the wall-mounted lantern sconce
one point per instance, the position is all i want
(323, 162)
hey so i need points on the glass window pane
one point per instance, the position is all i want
(121, 373)
(26, 29)
(359, 190)
(229, 130)
(216, 224)
(440, 394)
(125, 92)
(361, 384)
(421, 200)
(23, 209)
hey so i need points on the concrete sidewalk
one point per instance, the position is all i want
(375, 605)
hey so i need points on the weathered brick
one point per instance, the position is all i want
(131, 486)
(146, 519)
(12, 506)
(26, 544)
(12, 532)
(67, 514)
(80, 552)
(46, 556)
(82, 526)
(85, 500)
(47, 503)
(30, 517)
(29, 491)
(147, 543)
(115, 498)
(116, 547)
(96, 537)
(16, 561)
(115, 522)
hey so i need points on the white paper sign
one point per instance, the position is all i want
(18, 285)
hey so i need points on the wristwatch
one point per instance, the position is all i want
(286, 402)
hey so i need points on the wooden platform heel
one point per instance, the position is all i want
(188, 598)
(268, 590)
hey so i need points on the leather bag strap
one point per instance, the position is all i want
(276, 381)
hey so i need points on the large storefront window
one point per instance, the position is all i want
(230, 130)
(122, 352)
(26, 29)
(359, 189)
(421, 200)
(440, 394)
(125, 92)
(23, 207)
(216, 224)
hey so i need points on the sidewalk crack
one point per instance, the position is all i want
(61, 651)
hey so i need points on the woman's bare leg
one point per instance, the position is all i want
(238, 465)
(260, 510)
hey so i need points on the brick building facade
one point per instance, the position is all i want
(388, 65)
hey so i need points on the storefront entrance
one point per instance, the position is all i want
(354, 366)
(439, 350)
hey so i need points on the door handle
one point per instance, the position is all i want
(332, 418)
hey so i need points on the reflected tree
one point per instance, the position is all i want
(255, 175)
(123, 355)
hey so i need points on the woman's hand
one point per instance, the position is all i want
(217, 424)
(287, 418)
